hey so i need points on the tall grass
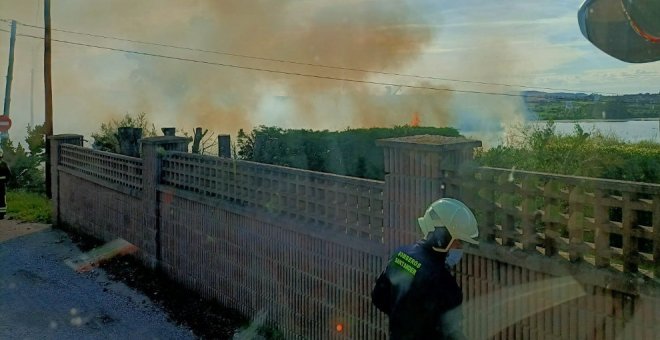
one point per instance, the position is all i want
(28, 207)
(580, 153)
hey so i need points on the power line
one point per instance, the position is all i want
(306, 74)
(272, 71)
(312, 64)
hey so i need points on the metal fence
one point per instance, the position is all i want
(306, 246)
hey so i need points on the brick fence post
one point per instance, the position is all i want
(55, 142)
(418, 171)
(153, 149)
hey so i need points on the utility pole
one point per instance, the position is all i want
(32, 98)
(48, 123)
(34, 62)
(10, 76)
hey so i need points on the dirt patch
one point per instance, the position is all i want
(206, 318)
(10, 229)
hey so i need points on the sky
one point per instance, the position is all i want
(459, 47)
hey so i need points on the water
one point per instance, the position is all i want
(630, 131)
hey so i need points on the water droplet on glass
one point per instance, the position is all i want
(77, 321)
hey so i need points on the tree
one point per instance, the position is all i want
(27, 165)
(106, 139)
(203, 143)
(245, 145)
(36, 142)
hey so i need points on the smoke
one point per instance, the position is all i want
(92, 86)
(430, 107)
(484, 116)
(362, 34)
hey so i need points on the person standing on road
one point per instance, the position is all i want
(5, 174)
(417, 290)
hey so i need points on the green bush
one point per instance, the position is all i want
(351, 152)
(579, 154)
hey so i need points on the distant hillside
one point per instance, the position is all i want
(558, 106)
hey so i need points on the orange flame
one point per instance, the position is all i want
(415, 120)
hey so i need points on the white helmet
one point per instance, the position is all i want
(453, 215)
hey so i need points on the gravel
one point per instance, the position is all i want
(41, 297)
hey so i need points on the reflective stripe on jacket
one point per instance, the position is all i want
(420, 295)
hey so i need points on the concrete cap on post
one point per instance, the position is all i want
(57, 140)
(429, 143)
(169, 131)
(67, 137)
(168, 143)
(454, 151)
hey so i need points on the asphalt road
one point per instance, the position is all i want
(43, 298)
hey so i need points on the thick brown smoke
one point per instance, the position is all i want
(92, 85)
(368, 35)
(351, 34)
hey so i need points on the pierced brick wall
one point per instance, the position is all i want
(303, 248)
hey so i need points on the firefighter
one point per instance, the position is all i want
(417, 290)
(5, 174)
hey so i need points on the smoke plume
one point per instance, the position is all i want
(92, 85)
(370, 35)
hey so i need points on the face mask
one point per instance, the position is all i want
(453, 256)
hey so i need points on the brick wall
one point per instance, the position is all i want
(307, 281)
(103, 212)
(508, 301)
(303, 248)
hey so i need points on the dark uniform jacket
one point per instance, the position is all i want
(5, 175)
(419, 294)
